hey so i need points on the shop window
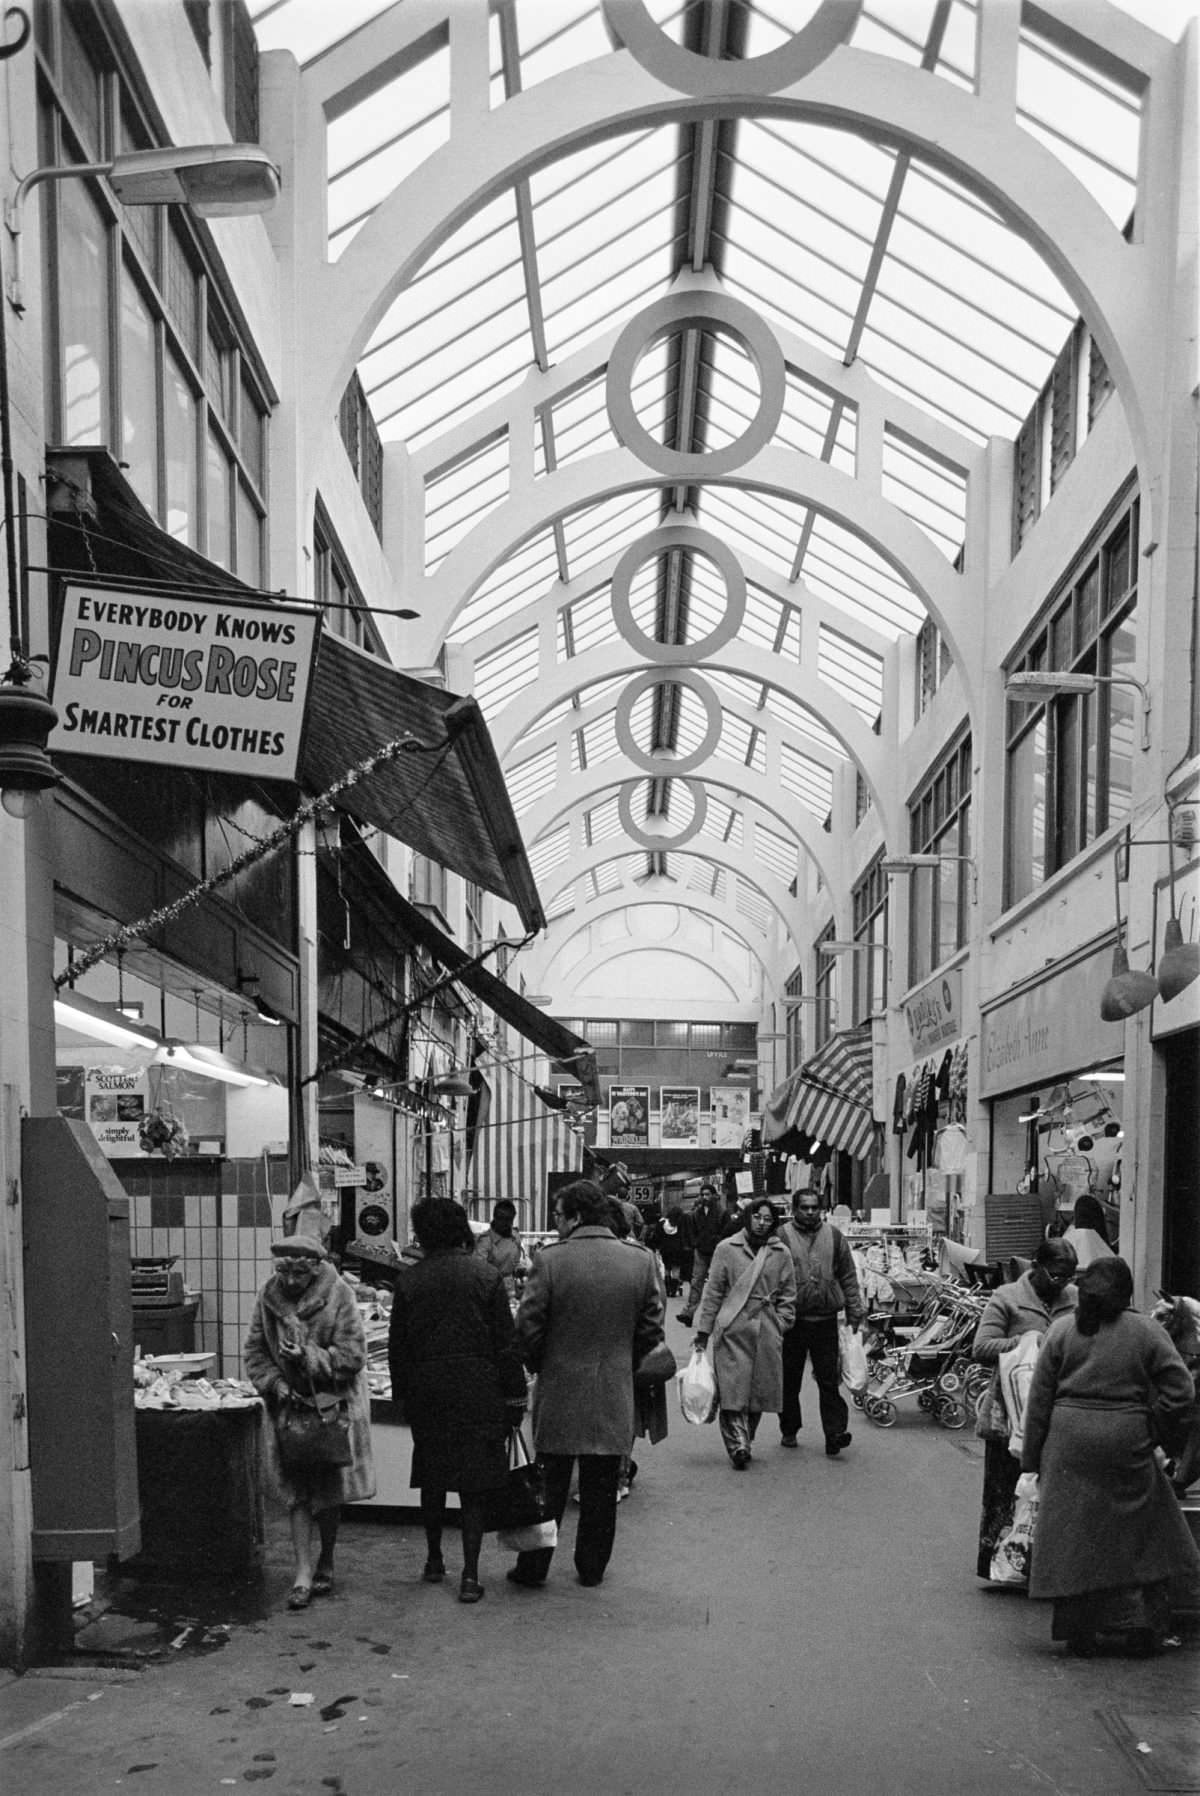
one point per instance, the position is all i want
(140, 352)
(940, 823)
(825, 987)
(1069, 763)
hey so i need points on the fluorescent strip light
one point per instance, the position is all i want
(195, 1058)
(103, 1022)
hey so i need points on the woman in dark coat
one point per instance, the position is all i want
(456, 1369)
(1110, 1538)
(1029, 1304)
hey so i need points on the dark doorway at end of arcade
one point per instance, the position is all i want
(1181, 1166)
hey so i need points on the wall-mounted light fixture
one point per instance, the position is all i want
(454, 1084)
(1049, 683)
(911, 863)
(215, 180)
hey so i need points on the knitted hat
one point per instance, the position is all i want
(294, 1247)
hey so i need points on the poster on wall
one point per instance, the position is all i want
(679, 1108)
(212, 683)
(116, 1103)
(729, 1108)
(629, 1115)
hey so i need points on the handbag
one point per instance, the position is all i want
(312, 1433)
(523, 1500)
(991, 1417)
(656, 1367)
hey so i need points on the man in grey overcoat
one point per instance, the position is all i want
(592, 1310)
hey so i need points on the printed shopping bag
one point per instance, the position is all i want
(1010, 1560)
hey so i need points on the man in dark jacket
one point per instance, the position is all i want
(591, 1312)
(826, 1282)
(704, 1228)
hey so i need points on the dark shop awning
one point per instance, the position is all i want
(451, 804)
(829, 1098)
(665, 1162)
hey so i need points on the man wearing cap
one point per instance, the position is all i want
(704, 1227)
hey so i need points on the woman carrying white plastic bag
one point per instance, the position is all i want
(749, 1301)
(698, 1389)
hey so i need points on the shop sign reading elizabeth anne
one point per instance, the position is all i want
(204, 683)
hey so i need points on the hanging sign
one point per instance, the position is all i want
(190, 682)
(679, 1109)
(934, 1012)
(629, 1115)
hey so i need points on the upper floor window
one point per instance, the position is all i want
(1065, 411)
(360, 435)
(427, 883)
(939, 822)
(868, 966)
(933, 662)
(473, 907)
(1069, 760)
(141, 352)
(225, 37)
(336, 590)
(825, 988)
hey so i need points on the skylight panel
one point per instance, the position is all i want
(532, 779)
(1090, 121)
(931, 494)
(743, 742)
(981, 351)
(947, 213)
(599, 739)
(763, 615)
(851, 670)
(752, 523)
(613, 278)
(521, 578)
(550, 852)
(777, 853)
(561, 905)
(382, 139)
(852, 576)
(734, 389)
(459, 496)
(603, 822)
(895, 28)
(500, 676)
(797, 721)
(723, 822)
(597, 531)
(739, 689)
(558, 37)
(806, 780)
(608, 878)
(591, 624)
(751, 905)
(580, 426)
(309, 27)
(808, 413)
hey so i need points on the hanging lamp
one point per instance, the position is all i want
(1179, 962)
(1128, 990)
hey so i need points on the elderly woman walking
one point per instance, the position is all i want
(1110, 1538)
(749, 1302)
(305, 1351)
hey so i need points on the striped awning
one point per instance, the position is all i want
(829, 1098)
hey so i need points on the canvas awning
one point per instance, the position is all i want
(829, 1098)
(451, 804)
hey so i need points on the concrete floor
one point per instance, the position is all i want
(807, 1623)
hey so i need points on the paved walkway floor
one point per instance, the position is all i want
(809, 1624)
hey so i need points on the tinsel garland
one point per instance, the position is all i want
(406, 744)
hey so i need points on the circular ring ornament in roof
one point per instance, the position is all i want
(709, 76)
(661, 542)
(660, 844)
(695, 311)
(661, 762)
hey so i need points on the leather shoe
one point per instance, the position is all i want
(834, 1447)
(741, 1459)
(434, 1572)
(589, 1580)
(685, 1317)
(469, 1589)
(788, 1440)
(517, 1576)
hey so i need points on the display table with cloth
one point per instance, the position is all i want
(200, 1488)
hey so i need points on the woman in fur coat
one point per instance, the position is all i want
(306, 1340)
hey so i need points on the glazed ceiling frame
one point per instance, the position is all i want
(976, 139)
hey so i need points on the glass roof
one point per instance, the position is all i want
(856, 251)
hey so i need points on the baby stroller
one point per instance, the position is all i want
(931, 1366)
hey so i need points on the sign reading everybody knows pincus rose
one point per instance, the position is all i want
(206, 683)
